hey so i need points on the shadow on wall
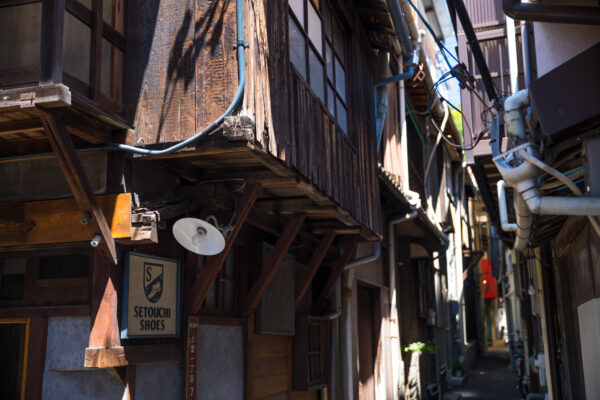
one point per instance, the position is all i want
(165, 41)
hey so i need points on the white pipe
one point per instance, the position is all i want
(512, 54)
(586, 206)
(506, 226)
(524, 222)
(397, 363)
(513, 115)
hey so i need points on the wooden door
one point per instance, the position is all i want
(366, 343)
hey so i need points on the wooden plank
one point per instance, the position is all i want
(149, 353)
(59, 221)
(213, 264)
(51, 46)
(336, 273)
(105, 357)
(106, 282)
(272, 263)
(44, 311)
(313, 265)
(36, 356)
(75, 175)
(25, 125)
(96, 51)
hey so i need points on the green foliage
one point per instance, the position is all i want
(428, 347)
(458, 122)
(458, 366)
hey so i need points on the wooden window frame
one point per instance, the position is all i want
(50, 69)
(301, 372)
(335, 19)
(30, 300)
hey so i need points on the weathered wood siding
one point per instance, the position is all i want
(182, 74)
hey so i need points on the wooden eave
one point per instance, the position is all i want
(285, 192)
(377, 21)
(22, 131)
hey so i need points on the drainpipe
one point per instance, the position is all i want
(345, 330)
(410, 59)
(523, 177)
(585, 15)
(397, 363)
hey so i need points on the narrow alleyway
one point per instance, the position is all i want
(491, 378)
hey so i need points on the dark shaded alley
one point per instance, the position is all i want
(491, 378)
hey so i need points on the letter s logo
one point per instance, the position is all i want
(148, 273)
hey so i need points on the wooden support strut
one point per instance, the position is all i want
(272, 263)
(336, 273)
(313, 265)
(75, 175)
(213, 264)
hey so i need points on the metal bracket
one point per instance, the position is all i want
(241, 43)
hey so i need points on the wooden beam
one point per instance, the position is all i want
(213, 264)
(336, 273)
(24, 125)
(36, 356)
(61, 143)
(106, 282)
(51, 46)
(59, 221)
(272, 263)
(313, 265)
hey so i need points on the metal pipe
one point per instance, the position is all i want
(399, 21)
(506, 226)
(365, 259)
(525, 46)
(395, 78)
(512, 54)
(585, 15)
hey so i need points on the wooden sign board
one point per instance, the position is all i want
(150, 297)
(191, 372)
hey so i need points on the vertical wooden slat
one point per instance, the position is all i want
(51, 45)
(36, 357)
(96, 49)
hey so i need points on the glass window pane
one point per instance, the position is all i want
(297, 48)
(316, 75)
(340, 79)
(297, 7)
(12, 279)
(331, 100)
(314, 28)
(329, 61)
(76, 48)
(20, 32)
(327, 20)
(338, 41)
(230, 266)
(342, 118)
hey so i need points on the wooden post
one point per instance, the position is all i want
(104, 348)
(313, 265)
(213, 264)
(96, 49)
(61, 143)
(51, 44)
(273, 261)
(36, 357)
(336, 272)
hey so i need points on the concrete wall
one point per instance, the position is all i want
(162, 380)
(558, 43)
(64, 375)
(220, 362)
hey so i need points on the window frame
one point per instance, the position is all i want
(330, 42)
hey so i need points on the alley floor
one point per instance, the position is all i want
(491, 378)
